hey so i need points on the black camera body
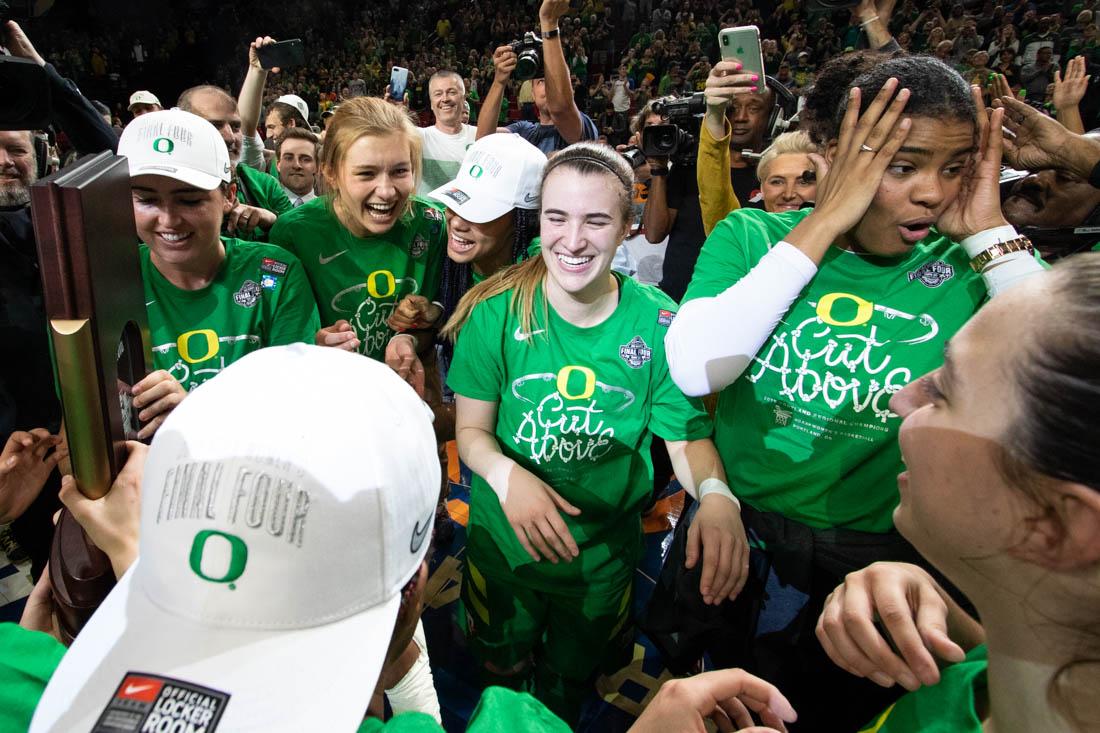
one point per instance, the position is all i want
(633, 155)
(677, 138)
(528, 57)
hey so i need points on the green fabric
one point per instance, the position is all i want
(27, 660)
(576, 407)
(260, 297)
(498, 711)
(947, 707)
(807, 431)
(266, 193)
(266, 189)
(361, 279)
(573, 633)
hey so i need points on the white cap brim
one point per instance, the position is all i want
(478, 209)
(190, 176)
(316, 678)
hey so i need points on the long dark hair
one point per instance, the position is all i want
(458, 276)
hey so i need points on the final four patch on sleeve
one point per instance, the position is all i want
(275, 267)
(664, 318)
(149, 702)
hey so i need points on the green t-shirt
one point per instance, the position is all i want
(361, 279)
(27, 660)
(264, 192)
(576, 408)
(946, 707)
(260, 297)
(807, 431)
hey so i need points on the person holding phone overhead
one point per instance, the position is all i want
(838, 308)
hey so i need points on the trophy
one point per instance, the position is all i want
(95, 303)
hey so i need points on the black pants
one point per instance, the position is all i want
(768, 629)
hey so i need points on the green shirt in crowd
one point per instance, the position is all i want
(257, 188)
(259, 297)
(807, 430)
(576, 408)
(29, 658)
(361, 279)
(946, 707)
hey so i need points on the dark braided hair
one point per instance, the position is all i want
(458, 276)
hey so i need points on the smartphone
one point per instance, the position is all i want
(742, 44)
(282, 55)
(399, 80)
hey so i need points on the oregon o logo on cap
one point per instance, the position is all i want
(163, 145)
(238, 555)
(476, 171)
(589, 382)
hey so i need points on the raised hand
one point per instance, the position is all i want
(27, 461)
(978, 205)
(401, 357)
(155, 397)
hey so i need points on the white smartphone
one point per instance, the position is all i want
(399, 80)
(742, 44)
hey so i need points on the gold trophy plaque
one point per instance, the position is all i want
(95, 303)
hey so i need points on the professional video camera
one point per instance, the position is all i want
(677, 138)
(528, 57)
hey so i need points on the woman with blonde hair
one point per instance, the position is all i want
(560, 379)
(370, 241)
(786, 172)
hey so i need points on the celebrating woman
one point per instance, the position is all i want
(370, 242)
(560, 377)
(210, 299)
(837, 309)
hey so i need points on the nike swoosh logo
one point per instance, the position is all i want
(150, 303)
(135, 689)
(419, 535)
(530, 199)
(521, 336)
(325, 260)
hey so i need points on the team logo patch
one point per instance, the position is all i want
(149, 702)
(459, 197)
(268, 282)
(933, 274)
(273, 266)
(636, 352)
(418, 247)
(664, 318)
(249, 293)
(433, 214)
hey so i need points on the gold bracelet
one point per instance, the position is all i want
(1019, 244)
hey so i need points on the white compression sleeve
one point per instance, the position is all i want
(713, 340)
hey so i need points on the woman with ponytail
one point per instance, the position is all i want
(560, 379)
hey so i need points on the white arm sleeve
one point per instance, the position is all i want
(713, 340)
(252, 152)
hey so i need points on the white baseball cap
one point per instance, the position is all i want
(279, 526)
(143, 97)
(297, 103)
(500, 172)
(178, 145)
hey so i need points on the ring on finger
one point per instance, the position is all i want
(865, 148)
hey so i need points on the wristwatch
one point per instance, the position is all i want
(658, 171)
(552, 33)
(983, 258)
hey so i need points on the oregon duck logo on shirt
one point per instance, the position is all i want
(567, 419)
